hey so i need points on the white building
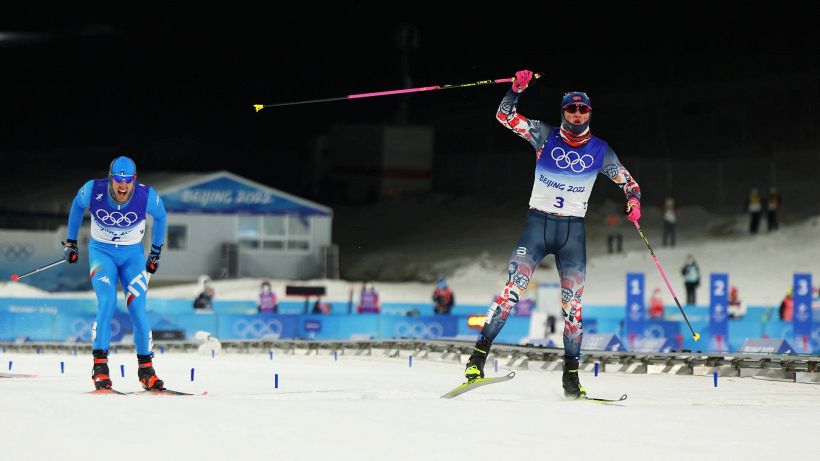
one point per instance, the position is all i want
(224, 225)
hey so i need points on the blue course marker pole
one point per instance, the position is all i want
(192, 374)
(276, 380)
(596, 369)
(122, 370)
(715, 378)
(410, 361)
(213, 353)
(495, 362)
(62, 368)
(335, 356)
(161, 349)
(10, 364)
(270, 354)
(38, 350)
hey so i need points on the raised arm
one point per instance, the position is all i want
(534, 131)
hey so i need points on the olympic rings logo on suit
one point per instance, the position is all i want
(418, 330)
(115, 218)
(572, 160)
(16, 251)
(257, 328)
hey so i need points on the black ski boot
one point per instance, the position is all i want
(572, 385)
(147, 375)
(475, 366)
(99, 373)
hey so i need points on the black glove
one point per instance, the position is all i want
(70, 251)
(153, 259)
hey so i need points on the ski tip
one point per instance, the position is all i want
(167, 392)
(604, 400)
(16, 375)
(105, 392)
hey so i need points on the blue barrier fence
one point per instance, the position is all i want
(61, 319)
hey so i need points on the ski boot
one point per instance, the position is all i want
(102, 380)
(572, 385)
(475, 366)
(148, 377)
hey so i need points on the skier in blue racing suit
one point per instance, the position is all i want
(119, 206)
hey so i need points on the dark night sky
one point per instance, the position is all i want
(175, 89)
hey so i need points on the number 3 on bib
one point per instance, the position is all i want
(559, 202)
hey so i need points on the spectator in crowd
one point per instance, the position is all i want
(737, 308)
(267, 299)
(656, 305)
(670, 220)
(614, 239)
(204, 301)
(551, 323)
(787, 307)
(443, 297)
(691, 278)
(320, 308)
(754, 207)
(774, 204)
(368, 300)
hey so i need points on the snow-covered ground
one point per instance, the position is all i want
(376, 408)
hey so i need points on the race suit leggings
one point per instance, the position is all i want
(125, 264)
(544, 234)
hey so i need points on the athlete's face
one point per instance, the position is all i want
(122, 189)
(577, 118)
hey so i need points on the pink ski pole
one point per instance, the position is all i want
(259, 107)
(696, 336)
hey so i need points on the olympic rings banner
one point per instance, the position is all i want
(434, 327)
(70, 319)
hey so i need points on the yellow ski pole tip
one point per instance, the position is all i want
(696, 336)
(258, 107)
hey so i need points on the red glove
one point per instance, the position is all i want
(633, 210)
(521, 80)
